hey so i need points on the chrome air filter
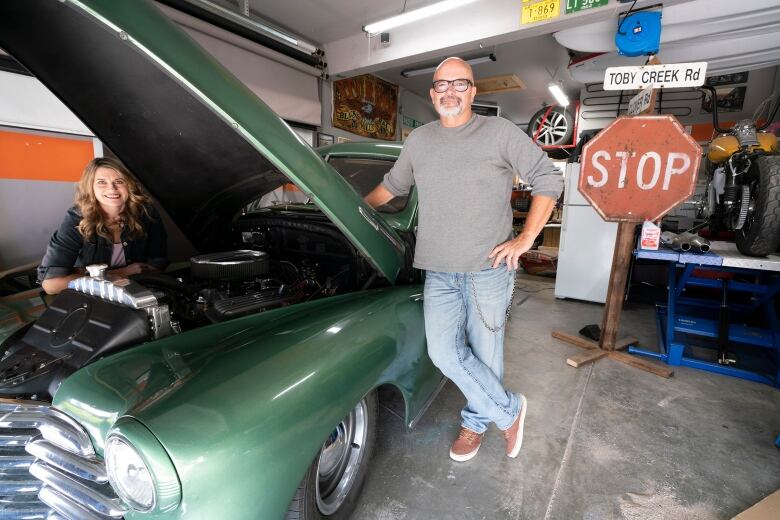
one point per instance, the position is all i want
(230, 265)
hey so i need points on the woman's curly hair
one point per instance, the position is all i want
(93, 221)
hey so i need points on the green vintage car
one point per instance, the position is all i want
(240, 384)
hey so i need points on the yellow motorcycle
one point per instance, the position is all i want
(743, 183)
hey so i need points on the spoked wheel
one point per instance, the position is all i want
(333, 482)
(760, 233)
(553, 128)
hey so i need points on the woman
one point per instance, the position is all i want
(113, 222)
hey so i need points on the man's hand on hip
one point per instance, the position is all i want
(511, 251)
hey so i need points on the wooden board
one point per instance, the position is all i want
(574, 340)
(503, 83)
(618, 278)
(587, 357)
(623, 343)
(642, 364)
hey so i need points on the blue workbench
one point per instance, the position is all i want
(740, 288)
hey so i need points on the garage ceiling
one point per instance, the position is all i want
(535, 60)
(530, 52)
(536, 69)
(323, 21)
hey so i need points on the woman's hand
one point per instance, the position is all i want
(60, 283)
(134, 268)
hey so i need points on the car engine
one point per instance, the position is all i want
(101, 314)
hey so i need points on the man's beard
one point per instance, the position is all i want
(451, 111)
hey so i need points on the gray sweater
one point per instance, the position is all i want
(464, 182)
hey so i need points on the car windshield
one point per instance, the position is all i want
(362, 173)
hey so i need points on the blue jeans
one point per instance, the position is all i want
(460, 343)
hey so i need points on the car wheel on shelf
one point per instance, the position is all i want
(553, 128)
(333, 482)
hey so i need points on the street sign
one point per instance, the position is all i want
(639, 168)
(410, 122)
(673, 75)
(572, 6)
(640, 102)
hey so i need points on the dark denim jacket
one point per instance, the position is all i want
(68, 249)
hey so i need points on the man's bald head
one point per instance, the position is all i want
(453, 105)
(453, 65)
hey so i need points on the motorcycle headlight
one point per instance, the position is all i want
(128, 474)
(139, 468)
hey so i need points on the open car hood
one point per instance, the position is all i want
(200, 141)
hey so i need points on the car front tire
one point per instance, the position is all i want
(333, 482)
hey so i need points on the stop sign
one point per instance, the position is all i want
(639, 168)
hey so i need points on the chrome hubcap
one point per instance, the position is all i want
(340, 459)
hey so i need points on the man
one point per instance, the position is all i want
(463, 166)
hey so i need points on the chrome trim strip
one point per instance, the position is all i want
(23, 486)
(379, 227)
(65, 507)
(14, 462)
(77, 492)
(54, 425)
(53, 455)
(238, 257)
(11, 440)
(25, 511)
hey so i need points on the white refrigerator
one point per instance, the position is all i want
(586, 248)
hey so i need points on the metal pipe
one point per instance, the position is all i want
(697, 243)
(675, 241)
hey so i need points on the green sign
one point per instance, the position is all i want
(572, 6)
(411, 123)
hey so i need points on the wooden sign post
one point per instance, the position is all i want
(636, 169)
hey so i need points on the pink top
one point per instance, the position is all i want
(118, 256)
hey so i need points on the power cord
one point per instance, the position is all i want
(620, 27)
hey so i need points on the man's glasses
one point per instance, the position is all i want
(461, 85)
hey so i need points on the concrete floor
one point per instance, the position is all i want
(605, 441)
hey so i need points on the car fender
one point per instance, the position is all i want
(248, 403)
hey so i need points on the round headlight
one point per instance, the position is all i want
(129, 475)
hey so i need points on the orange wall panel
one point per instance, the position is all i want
(35, 157)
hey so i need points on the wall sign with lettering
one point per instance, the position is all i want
(366, 105)
(673, 75)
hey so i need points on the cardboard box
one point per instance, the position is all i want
(767, 509)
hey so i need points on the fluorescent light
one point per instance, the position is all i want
(413, 16)
(559, 94)
(430, 70)
(254, 24)
(481, 59)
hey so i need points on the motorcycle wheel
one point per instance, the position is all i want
(760, 236)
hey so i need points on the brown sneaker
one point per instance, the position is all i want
(466, 445)
(514, 434)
